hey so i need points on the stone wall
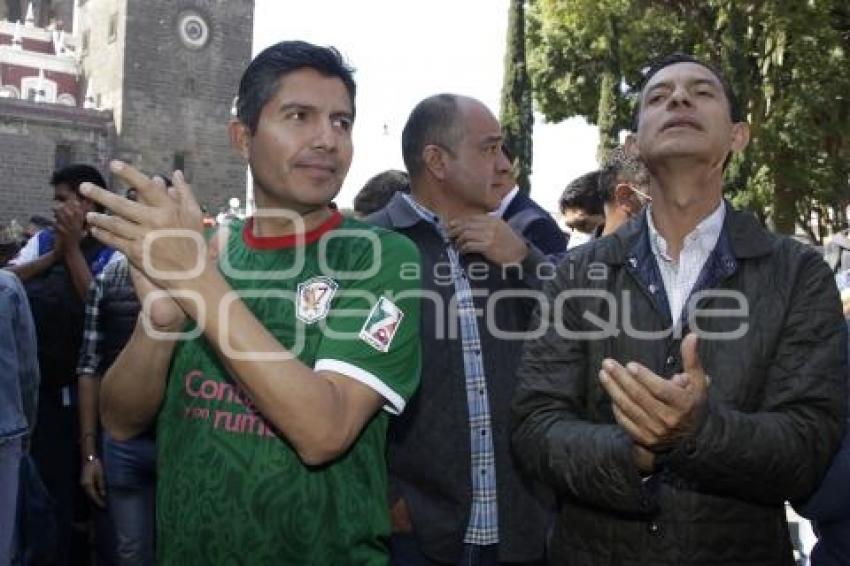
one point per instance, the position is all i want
(29, 136)
(177, 98)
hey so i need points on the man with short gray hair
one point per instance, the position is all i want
(456, 495)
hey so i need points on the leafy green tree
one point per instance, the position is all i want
(517, 113)
(787, 60)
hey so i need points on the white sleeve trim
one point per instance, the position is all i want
(28, 253)
(395, 402)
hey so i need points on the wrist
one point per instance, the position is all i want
(208, 288)
(644, 460)
(88, 445)
(72, 249)
(522, 252)
(146, 322)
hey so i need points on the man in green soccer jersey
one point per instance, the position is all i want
(271, 438)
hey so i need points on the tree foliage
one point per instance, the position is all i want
(517, 111)
(786, 59)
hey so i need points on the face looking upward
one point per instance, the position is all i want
(684, 113)
(301, 150)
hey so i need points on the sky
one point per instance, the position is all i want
(406, 50)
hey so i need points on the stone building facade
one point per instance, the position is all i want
(148, 81)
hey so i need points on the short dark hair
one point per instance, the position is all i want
(378, 191)
(735, 112)
(619, 166)
(434, 120)
(583, 193)
(132, 193)
(40, 221)
(261, 79)
(75, 174)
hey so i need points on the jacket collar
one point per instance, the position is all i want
(742, 236)
(400, 213)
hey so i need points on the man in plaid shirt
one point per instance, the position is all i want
(455, 492)
(128, 466)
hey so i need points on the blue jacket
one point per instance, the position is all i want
(532, 222)
(829, 509)
(19, 378)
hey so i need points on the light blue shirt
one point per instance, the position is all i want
(19, 377)
(483, 527)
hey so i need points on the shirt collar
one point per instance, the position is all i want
(506, 202)
(705, 234)
(424, 212)
(290, 240)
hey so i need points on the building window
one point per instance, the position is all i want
(98, 101)
(13, 11)
(84, 43)
(66, 99)
(182, 163)
(113, 28)
(39, 89)
(8, 91)
(193, 29)
(63, 156)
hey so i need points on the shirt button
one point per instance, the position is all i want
(483, 471)
(653, 288)
(653, 528)
(481, 391)
(671, 360)
(484, 432)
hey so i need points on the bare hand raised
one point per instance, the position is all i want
(161, 234)
(163, 313)
(488, 236)
(160, 309)
(658, 413)
(70, 226)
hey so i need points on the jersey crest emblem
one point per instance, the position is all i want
(314, 299)
(380, 327)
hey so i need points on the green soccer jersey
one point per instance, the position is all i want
(230, 489)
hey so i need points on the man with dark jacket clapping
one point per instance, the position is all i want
(693, 374)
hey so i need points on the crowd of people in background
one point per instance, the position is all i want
(479, 387)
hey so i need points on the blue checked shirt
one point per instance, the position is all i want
(483, 528)
(115, 274)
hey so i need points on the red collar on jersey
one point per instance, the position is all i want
(290, 240)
